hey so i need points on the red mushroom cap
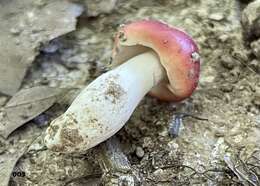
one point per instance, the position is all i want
(177, 51)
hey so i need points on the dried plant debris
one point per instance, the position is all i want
(26, 105)
(243, 171)
(225, 96)
(24, 26)
(115, 165)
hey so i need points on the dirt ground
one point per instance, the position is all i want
(222, 149)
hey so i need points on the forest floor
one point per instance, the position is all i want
(221, 149)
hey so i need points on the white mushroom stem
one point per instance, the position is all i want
(105, 105)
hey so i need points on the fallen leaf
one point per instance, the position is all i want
(24, 26)
(26, 105)
(7, 164)
(18, 146)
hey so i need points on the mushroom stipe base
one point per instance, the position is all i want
(105, 105)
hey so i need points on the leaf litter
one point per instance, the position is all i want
(26, 105)
(24, 27)
(200, 145)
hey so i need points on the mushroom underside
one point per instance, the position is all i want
(124, 53)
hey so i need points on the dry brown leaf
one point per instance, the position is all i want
(26, 105)
(24, 26)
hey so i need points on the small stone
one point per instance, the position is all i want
(41, 120)
(52, 46)
(219, 134)
(158, 172)
(202, 13)
(189, 21)
(253, 110)
(15, 31)
(226, 87)
(173, 146)
(11, 150)
(3, 100)
(216, 16)
(95, 8)
(17, 41)
(241, 54)
(256, 99)
(257, 119)
(228, 62)
(256, 48)
(223, 37)
(139, 152)
(195, 57)
(163, 133)
(255, 64)
(40, 3)
(205, 80)
(235, 72)
(36, 30)
(148, 143)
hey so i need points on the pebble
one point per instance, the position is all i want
(51, 46)
(255, 64)
(205, 80)
(139, 152)
(256, 48)
(257, 119)
(228, 62)
(41, 120)
(226, 87)
(148, 143)
(158, 172)
(40, 3)
(256, 99)
(235, 72)
(253, 110)
(202, 13)
(12, 150)
(15, 31)
(189, 21)
(3, 100)
(173, 146)
(164, 133)
(216, 16)
(223, 37)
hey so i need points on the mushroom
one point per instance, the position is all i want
(149, 56)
